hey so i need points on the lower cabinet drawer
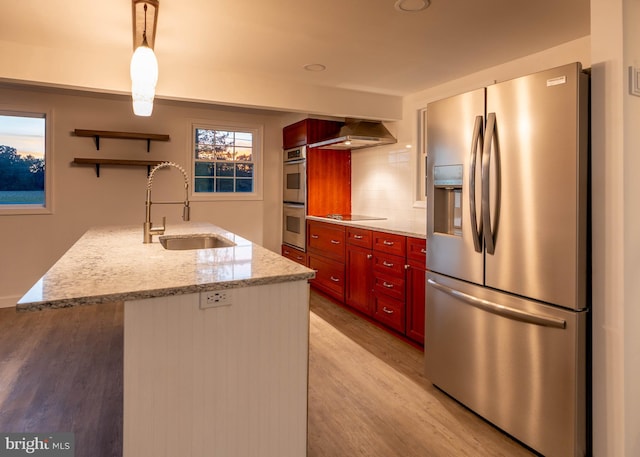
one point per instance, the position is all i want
(294, 254)
(389, 285)
(330, 276)
(389, 312)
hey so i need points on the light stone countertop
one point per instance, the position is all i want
(113, 264)
(406, 228)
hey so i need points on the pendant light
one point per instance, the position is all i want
(144, 67)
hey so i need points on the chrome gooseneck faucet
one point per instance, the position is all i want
(149, 229)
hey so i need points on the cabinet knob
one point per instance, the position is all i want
(424, 251)
(315, 237)
(334, 279)
(406, 267)
(335, 242)
(358, 237)
(369, 256)
(387, 285)
(388, 243)
(387, 264)
(387, 310)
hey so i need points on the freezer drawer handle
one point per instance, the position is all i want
(501, 310)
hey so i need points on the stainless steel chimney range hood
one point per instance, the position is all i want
(356, 134)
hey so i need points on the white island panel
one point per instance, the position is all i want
(225, 381)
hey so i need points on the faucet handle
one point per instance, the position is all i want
(158, 230)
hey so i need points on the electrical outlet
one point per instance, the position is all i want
(215, 298)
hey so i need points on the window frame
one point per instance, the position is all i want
(47, 207)
(257, 146)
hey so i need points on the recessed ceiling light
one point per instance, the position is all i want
(412, 6)
(315, 67)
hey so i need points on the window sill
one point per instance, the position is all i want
(23, 210)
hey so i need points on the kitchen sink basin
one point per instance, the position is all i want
(200, 241)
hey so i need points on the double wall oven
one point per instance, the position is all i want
(294, 196)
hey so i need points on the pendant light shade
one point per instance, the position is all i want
(144, 77)
(144, 65)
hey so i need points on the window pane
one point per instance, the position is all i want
(22, 159)
(204, 185)
(224, 185)
(223, 152)
(244, 170)
(244, 185)
(224, 169)
(204, 169)
(243, 154)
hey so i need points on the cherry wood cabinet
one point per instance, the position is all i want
(326, 255)
(328, 182)
(390, 243)
(294, 254)
(309, 131)
(359, 266)
(389, 280)
(379, 274)
(416, 281)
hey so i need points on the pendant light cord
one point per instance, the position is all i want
(144, 32)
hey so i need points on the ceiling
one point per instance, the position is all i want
(366, 45)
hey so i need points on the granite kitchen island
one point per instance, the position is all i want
(215, 340)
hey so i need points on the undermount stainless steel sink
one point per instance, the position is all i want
(199, 241)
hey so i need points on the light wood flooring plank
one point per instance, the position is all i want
(368, 397)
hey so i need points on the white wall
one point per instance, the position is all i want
(616, 229)
(32, 243)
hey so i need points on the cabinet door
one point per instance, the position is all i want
(294, 254)
(389, 311)
(390, 243)
(359, 279)
(416, 303)
(328, 240)
(330, 277)
(294, 135)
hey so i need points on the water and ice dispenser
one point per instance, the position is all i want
(447, 199)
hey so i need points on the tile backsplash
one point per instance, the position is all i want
(384, 182)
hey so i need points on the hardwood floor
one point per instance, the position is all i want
(61, 370)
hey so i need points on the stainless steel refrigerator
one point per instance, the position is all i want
(507, 233)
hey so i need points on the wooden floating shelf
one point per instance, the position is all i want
(122, 162)
(96, 134)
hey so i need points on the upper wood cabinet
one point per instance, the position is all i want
(309, 131)
(328, 182)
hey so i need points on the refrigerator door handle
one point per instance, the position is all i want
(476, 140)
(486, 195)
(501, 310)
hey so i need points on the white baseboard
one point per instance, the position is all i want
(9, 301)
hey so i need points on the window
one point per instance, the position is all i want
(24, 174)
(226, 162)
